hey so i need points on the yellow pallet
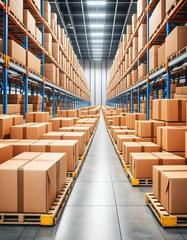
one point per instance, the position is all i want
(165, 219)
(47, 219)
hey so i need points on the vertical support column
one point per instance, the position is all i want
(26, 80)
(186, 78)
(53, 103)
(5, 53)
(43, 56)
(131, 101)
(15, 87)
(123, 102)
(148, 84)
(9, 86)
(60, 101)
(166, 66)
(65, 101)
(69, 102)
(157, 90)
(72, 102)
(126, 103)
(138, 99)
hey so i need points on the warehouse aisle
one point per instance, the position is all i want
(102, 206)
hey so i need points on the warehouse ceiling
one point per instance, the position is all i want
(94, 28)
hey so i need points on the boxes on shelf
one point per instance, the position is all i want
(29, 21)
(176, 40)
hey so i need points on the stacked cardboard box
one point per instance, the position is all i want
(168, 187)
(40, 170)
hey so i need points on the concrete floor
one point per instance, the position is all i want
(102, 206)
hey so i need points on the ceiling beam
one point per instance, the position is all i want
(113, 27)
(62, 2)
(82, 6)
(72, 23)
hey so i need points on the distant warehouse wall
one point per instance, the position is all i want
(97, 73)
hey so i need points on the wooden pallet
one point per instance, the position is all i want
(183, 50)
(49, 218)
(165, 219)
(138, 182)
(75, 173)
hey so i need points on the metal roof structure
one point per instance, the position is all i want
(94, 28)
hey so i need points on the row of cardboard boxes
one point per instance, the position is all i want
(68, 118)
(16, 105)
(26, 17)
(150, 143)
(158, 54)
(37, 169)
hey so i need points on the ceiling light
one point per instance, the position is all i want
(98, 3)
(96, 34)
(96, 15)
(97, 40)
(97, 25)
(97, 59)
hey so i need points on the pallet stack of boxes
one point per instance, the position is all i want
(43, 150)
(160, 154)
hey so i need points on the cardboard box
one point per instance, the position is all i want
(161, 54)
(131, 117)
(173, 196)
(9, 197)
(61, 167)
(141, 164)
(40, 185)
(33, 62)
(19, 131)
(17, 8)
(147, 128)
(47, 12)
(141, 5)
(5, 126)
(29, 21)
(41, 146)
(176, 40)
(6, 152)
(170, 110)
(67, 122)
(53, 135)
(16, 52)
(71, 148)
(26, 156)
(142, 71)
(122, 132)
(48, 42)
(86, 130)
(157, 109)
(132, 147)
(157, 170)
(35, 131)
(62, 113)
(50, 72)
(80, 136)
(171, 138)
(22, 146)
